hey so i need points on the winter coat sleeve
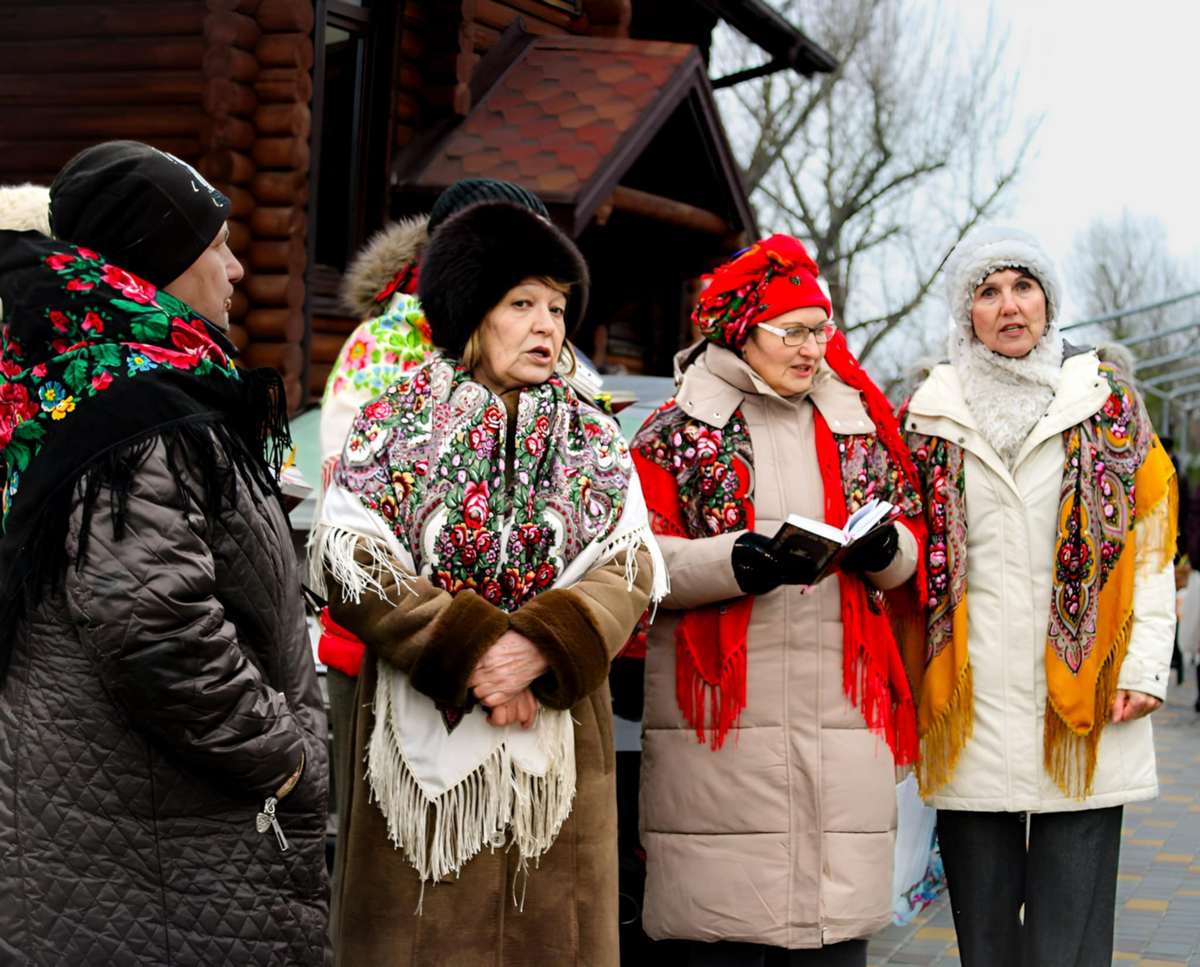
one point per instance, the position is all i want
(701, 570)
(581, 628)
(422, 630)
(1147, 663)
(167, 650)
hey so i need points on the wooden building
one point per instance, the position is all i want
(323, 120)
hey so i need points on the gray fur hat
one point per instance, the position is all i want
(989, 249)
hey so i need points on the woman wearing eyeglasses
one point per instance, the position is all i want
(775, 711)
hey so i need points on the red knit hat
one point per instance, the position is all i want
(766, 280)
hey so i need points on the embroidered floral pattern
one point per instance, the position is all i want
(382, 349)
(728, 317)
(709, 465)
(429, 457)
(1096, 514)
(940, 468)
(107, 325)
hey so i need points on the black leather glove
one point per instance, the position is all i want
(873, 554)
(758, 571)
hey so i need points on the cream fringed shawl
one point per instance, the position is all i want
(421, 491)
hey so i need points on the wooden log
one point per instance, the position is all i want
(100, 124)
(406, 108)
(230, 63)
(293, 389)
(283, 120)
(335, 325)
(278, 16)
(668, 210)
(282, 153)
(285, 50)
(119, 54)
(283, 85)
(52, 155)
(278, 222)
(318, 376)
(109, 88)
(248, 7)
(286, 325)
(283, 356)
(56, 22)
(231, 167)
(238, 336)
(324, 347)
(275, 289)
(241, 201)
(231, 30)
(228, 132)
(225, 96)
(277, 255)
(280, 187)
(239, 305)
(239, 237)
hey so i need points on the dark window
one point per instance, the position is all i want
(350, 132)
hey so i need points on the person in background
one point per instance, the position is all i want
(162, 738)
(1050, 611)
(775, 712)
(485, 536)
(393, 339)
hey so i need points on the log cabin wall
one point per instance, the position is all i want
(222, 84)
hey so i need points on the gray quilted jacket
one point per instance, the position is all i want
(150, 708)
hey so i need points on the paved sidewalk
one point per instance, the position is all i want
(1158, 888)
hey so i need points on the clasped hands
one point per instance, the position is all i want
(501, 678)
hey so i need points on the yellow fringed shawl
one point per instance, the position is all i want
(1118, 503)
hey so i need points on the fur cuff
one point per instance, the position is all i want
(462, 633)
(559, 623)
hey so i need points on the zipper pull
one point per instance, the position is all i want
(267, 820)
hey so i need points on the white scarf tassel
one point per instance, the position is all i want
(478, 811)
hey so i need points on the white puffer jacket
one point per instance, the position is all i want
(1011, 524)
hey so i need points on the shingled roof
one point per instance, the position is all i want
(570, 115)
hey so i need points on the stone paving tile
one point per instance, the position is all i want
(1158, 887)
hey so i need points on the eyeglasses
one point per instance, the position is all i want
(798, 335)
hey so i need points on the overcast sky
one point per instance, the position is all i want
(1118, 84)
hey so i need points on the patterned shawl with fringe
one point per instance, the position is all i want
(1118, 490)
(435, 480)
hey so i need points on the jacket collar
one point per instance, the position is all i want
(719, 380)
(938, 408)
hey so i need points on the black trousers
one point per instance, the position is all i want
(727, 953)
(1066, 879)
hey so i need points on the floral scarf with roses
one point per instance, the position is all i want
(699, 482)
(437, 480)
(1118, 490)
(94, 360)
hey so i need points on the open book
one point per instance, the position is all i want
(823, 545)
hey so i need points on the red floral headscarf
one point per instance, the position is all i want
(769, 278)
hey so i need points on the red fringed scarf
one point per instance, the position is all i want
(698, 483)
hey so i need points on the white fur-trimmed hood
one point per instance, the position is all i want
(25, 208)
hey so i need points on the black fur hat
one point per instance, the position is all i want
(480, 253)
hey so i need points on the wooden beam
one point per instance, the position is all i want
(663, 209)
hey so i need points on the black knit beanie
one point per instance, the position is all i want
(479, 254)
(146, 210)
(473, 191)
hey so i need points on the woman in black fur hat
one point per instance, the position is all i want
(486, 537)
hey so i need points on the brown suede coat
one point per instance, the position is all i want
(570, 899)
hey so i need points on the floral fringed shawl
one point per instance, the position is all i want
(433, 482)
(1118, 488)
(698, 481)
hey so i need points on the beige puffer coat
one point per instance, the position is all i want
(784, 836)
(1011, 525)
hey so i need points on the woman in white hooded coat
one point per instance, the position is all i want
(1050, 506)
